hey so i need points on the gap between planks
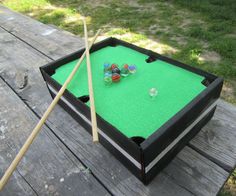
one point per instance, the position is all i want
(220, 164)
(23, 95)
(175, 186)
(26, 43)
(39, 117)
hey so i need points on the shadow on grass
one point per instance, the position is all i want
(188, 31)
(182, 29)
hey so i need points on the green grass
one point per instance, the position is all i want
(25, 5)
(201, 33)
(225, 47)
(230, 187)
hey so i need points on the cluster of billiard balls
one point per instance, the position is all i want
(112, 73)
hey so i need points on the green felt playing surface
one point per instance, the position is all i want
(127, 104)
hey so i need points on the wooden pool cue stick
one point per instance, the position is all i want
(90, 84)
(37, 128)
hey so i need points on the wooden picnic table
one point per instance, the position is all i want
(63, 159)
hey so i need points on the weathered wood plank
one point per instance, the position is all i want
(217, 140)
(113, 175)
(190, 168)
(111, 172)
(49, 167)
(39, 35)
(222, 150)
(18, 185)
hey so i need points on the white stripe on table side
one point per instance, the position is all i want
(136, 163)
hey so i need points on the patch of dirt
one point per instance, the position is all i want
(134, 3)
(168, 4)
(186, 22)
(228, 94)
(97, 3)
(210, 56)
(180, 40)
(154, 28)
(227, 89)
(157, 46)
(204, 44)
(233, 35)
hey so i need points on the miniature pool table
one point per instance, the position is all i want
(143, 132)
(127, 104)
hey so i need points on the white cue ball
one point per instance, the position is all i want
(153, 92)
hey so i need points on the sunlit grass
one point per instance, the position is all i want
(185, 31)
(25, 5)
(188, 32)
(199, 33)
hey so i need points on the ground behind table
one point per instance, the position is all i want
(200, 168)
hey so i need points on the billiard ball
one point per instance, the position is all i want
(125, 71)
(115, 77)
(153, 92)
(113, 66)
(107, 67)
(132, 68)
(115, 70)
(107, 80)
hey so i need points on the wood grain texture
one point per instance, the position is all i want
(42, 120)
(179, 178)
(195, 172)
(212, 142)
(17, 184)
(189, 169)
(49, 167)
(112, 174)
(39, 35)
(217, 140)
